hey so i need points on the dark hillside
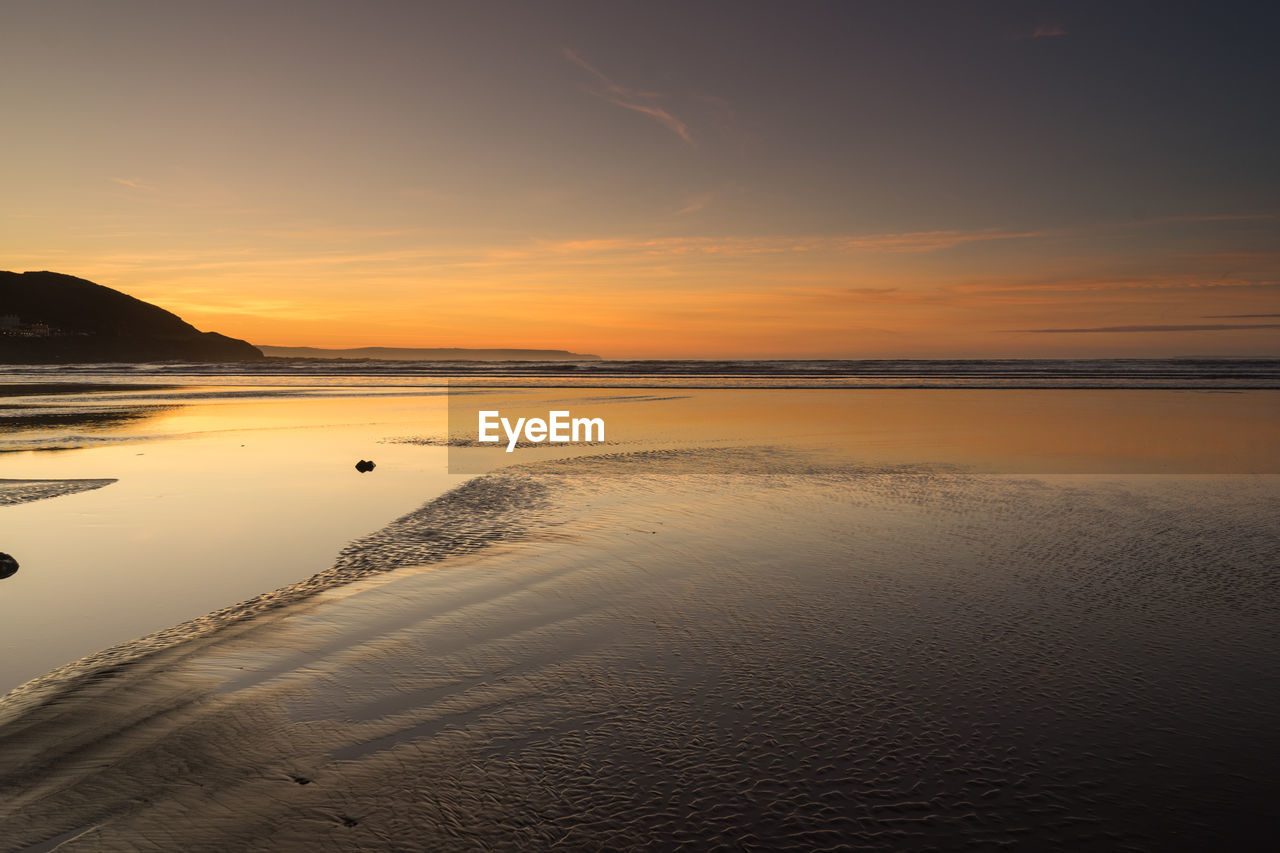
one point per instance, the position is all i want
(47, 317)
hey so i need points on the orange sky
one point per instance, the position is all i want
(897, 295)
(591, 183)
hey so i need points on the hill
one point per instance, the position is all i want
(434, 354)
(51, 318)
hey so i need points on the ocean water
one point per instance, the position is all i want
(897, 373)
(757, 617)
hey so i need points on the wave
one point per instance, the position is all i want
(865, 373)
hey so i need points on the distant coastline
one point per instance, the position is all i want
(53, 318)
(427, 354)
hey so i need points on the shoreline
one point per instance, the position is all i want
(482, 494)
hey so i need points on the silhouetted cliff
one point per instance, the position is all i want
(50, 318)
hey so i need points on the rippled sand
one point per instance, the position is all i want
(622, 652)
(24, 491)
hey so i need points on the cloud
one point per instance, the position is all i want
(1152, 282)
(1237, 316)
(133, 183)
(609, 249)
(644, 103)
(929, 241)
(1049, 31)
(695, 203)
(1210, 217)
(1216, 328)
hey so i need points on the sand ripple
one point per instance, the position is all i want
(24, 491)
(832, 658)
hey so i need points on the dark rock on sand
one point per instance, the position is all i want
(365, 465)
(8, 566)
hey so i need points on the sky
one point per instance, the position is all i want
(659, 180)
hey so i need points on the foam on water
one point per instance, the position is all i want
(866, 373)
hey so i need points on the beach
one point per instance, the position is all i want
(663, 426)
(690, 636)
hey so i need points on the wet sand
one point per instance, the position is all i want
(627, 651)
(24, 491)
(211, 503)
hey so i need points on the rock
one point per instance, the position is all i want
(8, 566)
(364, 465)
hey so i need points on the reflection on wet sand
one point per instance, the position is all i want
(22, 491)
(789, 654)
(213, 503)
(981, 431)
(26, 419)
(761, 637)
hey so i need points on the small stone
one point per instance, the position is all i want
(8, 566)
(365, 465)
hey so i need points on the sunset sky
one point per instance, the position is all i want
(648, 179)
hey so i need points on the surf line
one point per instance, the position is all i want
(560, 427)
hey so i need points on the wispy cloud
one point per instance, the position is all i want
(645, 103)
(133, 183)
(1192, 328)
(610, 249)
(1104, 284)
(931, 241)
(1238, 316)
(1049, 30)
(695, 203)
(1210, 217)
